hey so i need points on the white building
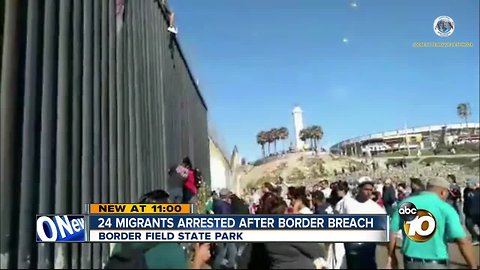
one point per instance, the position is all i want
(409, 138)
(297, 114)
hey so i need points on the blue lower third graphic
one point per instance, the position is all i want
(61, 228)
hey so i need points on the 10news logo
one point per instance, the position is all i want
(419, 224)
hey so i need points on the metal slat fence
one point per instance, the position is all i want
(96, 105)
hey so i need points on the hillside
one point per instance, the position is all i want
(305, 169)
(296, 168)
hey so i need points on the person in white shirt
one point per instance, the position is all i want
(284, 186)
(346, 192)
(361, 255)
(325, 188)
(336, 252)
(301, 202)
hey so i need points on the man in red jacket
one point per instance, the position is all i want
(189, 187)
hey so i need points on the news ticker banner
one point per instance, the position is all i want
(208, 228)
(125, 224)
(74, 228)
(238, 228)
(140, 209)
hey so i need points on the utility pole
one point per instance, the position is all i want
(406, 139)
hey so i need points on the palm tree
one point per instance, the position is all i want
(274, 134)
(262, 140)
(305, 134)
(317, 134)
(269, 142)
(270, 139)
(463, 111)
(283, 135)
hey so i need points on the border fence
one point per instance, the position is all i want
(97, 102)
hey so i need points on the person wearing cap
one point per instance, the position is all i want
(432, 253)
(224, 251)
(222, 205)
(361, 255)
(471, 208)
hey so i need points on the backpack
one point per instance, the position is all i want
(198, 177)
(127, 259)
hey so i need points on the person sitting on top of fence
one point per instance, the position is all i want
(171, 15)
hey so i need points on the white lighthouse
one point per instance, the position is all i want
(298, 125)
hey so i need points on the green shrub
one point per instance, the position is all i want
(297, 174)
(202, 198)
(396, 161)
(258, 162)
(448, 160)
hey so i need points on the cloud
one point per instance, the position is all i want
(345, 40)
(353, 4)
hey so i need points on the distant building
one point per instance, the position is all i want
(297, 114)
(409, 138)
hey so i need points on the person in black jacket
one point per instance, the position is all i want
(471, 209)
(455, 194)
(288, 255)
(239, 206)
(321, 206)
(388, 196)
(416, 185)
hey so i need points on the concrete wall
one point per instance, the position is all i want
(88, 114)
(220, 169)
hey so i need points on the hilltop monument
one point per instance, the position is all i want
(297, 126)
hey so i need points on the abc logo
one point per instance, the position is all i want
(419, 224)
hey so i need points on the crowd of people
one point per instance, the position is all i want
(443, 197)
(355, 195)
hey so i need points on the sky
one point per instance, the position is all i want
(350, 65)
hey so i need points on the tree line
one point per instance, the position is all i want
(271, 137)
(313, 133)
(266, 139)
